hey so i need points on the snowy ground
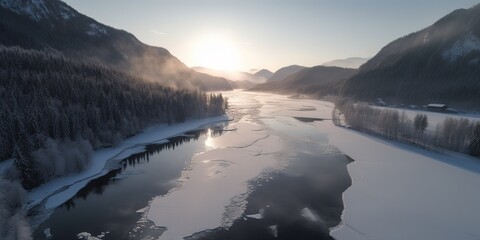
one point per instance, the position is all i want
(403, 192)
(58, 191)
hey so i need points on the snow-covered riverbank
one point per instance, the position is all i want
(57, 191)
(403, 192)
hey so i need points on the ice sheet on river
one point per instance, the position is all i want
(216, 178)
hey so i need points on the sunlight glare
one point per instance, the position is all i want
(216, 52)
(209, 142)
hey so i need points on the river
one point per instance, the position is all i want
(269, 174)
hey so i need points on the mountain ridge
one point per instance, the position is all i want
(318, 81)
(264, 73)
(230, 75)
(54, 25)
(284, 72)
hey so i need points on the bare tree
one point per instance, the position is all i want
(455, 134)
(420, 122)
(474, 146)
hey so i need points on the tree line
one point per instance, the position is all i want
(454, 134)
(55, 111)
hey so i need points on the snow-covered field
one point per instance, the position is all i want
(58, 191)
(403, 192)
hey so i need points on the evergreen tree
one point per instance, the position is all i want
(23, 162)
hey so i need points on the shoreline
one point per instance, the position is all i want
(54, 193)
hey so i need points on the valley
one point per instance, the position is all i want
(239, 120)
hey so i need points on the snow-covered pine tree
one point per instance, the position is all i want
(22, 159)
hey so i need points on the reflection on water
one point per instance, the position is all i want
(94, 187)
(111, 203)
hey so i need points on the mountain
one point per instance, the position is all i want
(319, 81)
(264, 74)
(231, 75)
(282, 73)
(440, 63)
(353, 62)
(55, 26)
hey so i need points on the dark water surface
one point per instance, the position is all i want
(110, 203)
(316, 185)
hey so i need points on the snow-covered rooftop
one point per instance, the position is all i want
(436, 105)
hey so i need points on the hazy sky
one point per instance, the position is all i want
(268, 33)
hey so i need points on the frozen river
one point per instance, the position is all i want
(268, 174)
(279, 170)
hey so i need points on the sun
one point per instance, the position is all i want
(216, 52)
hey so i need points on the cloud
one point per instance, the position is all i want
(158, 33)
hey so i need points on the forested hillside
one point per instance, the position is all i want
(440, 63)
(55, 110)
(319, 81)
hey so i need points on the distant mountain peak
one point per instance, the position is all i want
(318, 80)
(284, 72)
(231, 75)
(263, 73)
